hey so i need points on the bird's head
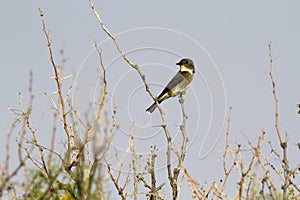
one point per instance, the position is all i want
(186, 65)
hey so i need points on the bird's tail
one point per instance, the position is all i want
(152, 108)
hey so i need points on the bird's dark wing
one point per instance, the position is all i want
(178, 78)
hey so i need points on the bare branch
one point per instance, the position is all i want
(274, 94)
(286, 168)
(58, 84)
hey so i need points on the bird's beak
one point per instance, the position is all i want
(177, 63)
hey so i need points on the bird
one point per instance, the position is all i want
(178, 84)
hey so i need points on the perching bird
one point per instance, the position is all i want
(179, 83)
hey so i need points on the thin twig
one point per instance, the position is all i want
(58, 85)
(55, 114)
(225, 153)
(153, 191)
(274, 94)
(286, 168)
(116, 182)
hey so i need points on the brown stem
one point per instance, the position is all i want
(58, 85)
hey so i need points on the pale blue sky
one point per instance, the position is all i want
(235, 34)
